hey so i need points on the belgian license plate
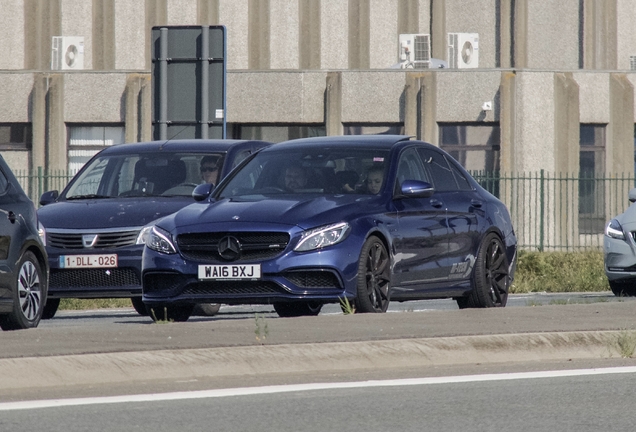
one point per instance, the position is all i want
(88, 261)
(234, 271)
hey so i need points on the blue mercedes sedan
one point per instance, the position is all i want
(355, 220)
(95, 228)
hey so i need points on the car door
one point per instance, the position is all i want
(420, 242)
(462, 205)
(9, 231)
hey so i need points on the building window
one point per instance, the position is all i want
(274, 133)
(84, 141)
(15, 136)
(474, 146)
(591, 175)
(373, 129)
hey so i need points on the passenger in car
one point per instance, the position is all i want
(375, 177)
(210, 169)
(295, 178)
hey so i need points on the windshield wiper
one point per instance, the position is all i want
(89, 196)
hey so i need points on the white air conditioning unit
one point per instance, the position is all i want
(463, 50)
(414, 51)
(632, 62)
(67, 53)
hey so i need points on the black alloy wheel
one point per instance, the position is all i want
(373, 277)
(491, 277)
(29, 295)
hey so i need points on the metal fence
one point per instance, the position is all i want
(550, 212)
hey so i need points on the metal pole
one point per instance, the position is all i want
(163, 84)
(205, 81)
(541, 210)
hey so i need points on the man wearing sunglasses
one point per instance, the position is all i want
(210, 169)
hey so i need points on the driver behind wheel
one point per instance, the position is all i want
(210, 169)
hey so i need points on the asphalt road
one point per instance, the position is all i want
(571, 400)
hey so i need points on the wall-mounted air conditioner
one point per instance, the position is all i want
(67, 53)
(463, 50)
(414, 51)
(632, 62)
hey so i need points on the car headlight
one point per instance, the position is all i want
(160, 240)
(143, 234)
(614, 230)
(42, 233)
(322, 237)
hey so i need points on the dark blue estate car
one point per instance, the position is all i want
(23, 265)
(317, 220)
(95, 228)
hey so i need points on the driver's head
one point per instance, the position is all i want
(210, 169)
(295, 178)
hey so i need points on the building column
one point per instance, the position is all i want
(38, 116)
(333, 104)
(56, 150)
(136, 108)
(429, 131)
(619, 145)
(507, 109)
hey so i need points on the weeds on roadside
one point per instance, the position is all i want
(261, 331)
(347, 307)
(163, 320)
(626, 343)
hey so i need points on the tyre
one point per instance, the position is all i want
(623, 289)
(178, 313)
(139, 306)
(29, 295)
(206, 309)
(50, 308)
(296, 309)
(373, 287)
(491, 278)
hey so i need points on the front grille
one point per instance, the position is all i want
(104, 240)
(313, 279)
(233, 288)
(93, 278)
(157, 282)
(254, 246)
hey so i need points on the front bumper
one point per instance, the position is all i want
(619, 259)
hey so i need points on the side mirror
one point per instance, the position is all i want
(416, 189)
(632, 195)
(48, 197)
(203, 191)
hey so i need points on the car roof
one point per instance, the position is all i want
(187, 145)
(350, 141)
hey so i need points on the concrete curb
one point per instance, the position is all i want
(296, 358)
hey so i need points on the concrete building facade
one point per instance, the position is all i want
(553, 88)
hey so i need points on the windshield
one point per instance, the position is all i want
(146, 174)
(319, 171)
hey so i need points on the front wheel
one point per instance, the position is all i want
(28, 296)
(491, 276)
(178, 313)
(622, 289)
(296, 309)
(373, 290)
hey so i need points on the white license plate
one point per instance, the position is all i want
(88, 261)
(234, 271)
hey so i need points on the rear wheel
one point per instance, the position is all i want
(296, 309)
(623, 289)
(50, 308)
(178, 313)
(373, 291)
(491, 279)
(206, 309)
(27, 301)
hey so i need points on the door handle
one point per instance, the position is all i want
(436, 203)
(11, 217)
(476, 203)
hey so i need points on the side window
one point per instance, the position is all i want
(460, 177)
(443, 178)
(410, 167)
(3, 183)
(240, 157)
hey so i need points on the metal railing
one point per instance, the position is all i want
(550, 211)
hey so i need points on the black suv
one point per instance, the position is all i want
(23, 261)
